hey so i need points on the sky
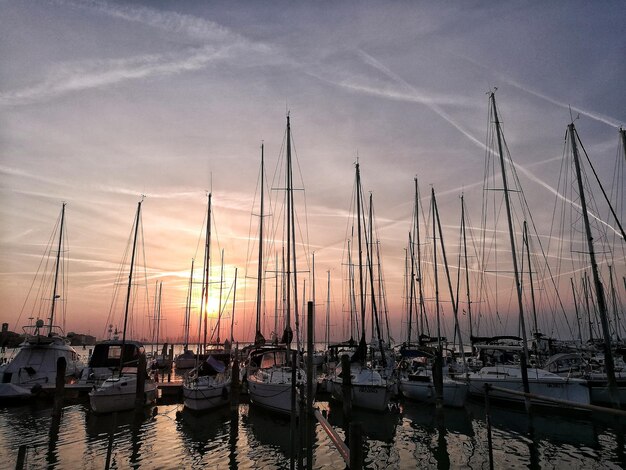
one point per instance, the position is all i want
(103, 102)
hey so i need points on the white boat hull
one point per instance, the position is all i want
(540, 383)
(273, 396)
(206, 395)
(119, 394)
(454, 393)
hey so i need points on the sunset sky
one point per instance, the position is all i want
(101, 102)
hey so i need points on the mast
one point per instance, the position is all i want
(518, 286)
(362, 344)
(422, 310)
(232, 317)
(445, 264)
(288, 334)
(411, 289)
(614, 302)
(327, 333)
(439, 346)
(602, 310)
(258, 337)
(467, 286)
(580, 331)
(205, 275)
(530, 280)
(130, 283)
(219, 310)
(370, 258)
(188, 307)
(56, 270)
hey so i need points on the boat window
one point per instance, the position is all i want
(114, 352)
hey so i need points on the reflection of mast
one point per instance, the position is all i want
(602, 310)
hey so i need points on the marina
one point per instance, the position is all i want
(312, 235)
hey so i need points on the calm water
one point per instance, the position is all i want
(414, 437)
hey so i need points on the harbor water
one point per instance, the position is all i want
(412, 436)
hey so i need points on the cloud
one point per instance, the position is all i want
(73, 77)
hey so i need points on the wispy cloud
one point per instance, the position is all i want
(73, 77)
(511, 81)
(215, 43)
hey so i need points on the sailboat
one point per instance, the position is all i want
(119, 391)
(422, 382)
(34, 367)
(600, 365)
(207, 385)
(370, 389)
(271, 369)
(518, 376)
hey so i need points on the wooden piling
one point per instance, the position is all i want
(140, 399)
(356, 446)
(60, 386)
(21, 457)
(309, 386)
(346, 390)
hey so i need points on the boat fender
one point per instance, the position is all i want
(36, 390)
(224, 393)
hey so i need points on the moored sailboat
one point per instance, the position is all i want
(119, 391)
(34, 367)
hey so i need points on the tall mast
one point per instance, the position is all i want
(219, 310)
(410, 288)
(232, 318)
(291, 240)
(518, 285)
(258, 338)
(580, 331)
(445, 264)
(602, 310)
(530, 281)
(130, 283)
(56, 269)
(439, 346)
(370, 258)
(361, 286)
(467, 286)
(327, 334)
(188, 307)
(205, 275)
(422, 309)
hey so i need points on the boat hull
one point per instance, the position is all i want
(120, 395)
(201, 397)
(544, 384)
(454, 393)
(272, 396)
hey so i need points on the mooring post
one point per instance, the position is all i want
(140, 399)
(234, 386)
(310, 419)
(346, 392)
(21, 457)
(488, 422)
(292, 424)
(356, 446)
(60, 386)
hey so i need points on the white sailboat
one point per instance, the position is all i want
(207, 386)
(119, 391)
(270, 369)
(518, 376)
(34, 367)
(369, 389)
